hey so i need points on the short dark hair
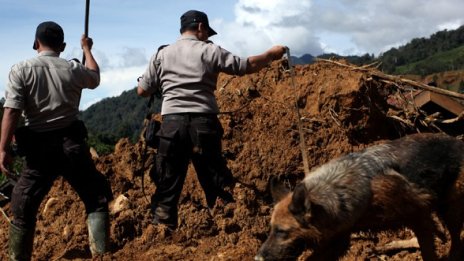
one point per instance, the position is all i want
(50, 34)
(189, 27)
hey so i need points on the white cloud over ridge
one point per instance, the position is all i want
(316, 26)
(113, 81)
(259, 24)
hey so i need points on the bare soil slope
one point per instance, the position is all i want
(341, 111)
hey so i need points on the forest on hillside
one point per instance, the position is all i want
(117, 117)
(439, 45)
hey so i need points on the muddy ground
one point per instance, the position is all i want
(342, 110)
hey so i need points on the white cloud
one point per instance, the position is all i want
(133, 57)
(375, 26)
(343, 26)
(113, 82)
(118, 72)
(117, 80)
(86, 103)
(450, 25)
(260, 24)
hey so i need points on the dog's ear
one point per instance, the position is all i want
(301, 206)
(278, 189)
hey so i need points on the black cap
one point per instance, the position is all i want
(194, 16)
(49, 33)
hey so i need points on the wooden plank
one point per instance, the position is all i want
(422, 98)
(443, 101)
(447, 103)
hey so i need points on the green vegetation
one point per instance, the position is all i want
(461, 86)
(442, 61)
(113, 118)
(443, 51)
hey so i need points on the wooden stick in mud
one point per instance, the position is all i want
(304, 153)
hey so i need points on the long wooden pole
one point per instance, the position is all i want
(86, 30)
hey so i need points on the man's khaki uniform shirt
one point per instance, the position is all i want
(48, 90)
(188, 72)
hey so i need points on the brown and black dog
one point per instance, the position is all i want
(397, 184)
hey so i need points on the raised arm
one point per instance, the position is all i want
(258, 62)
(90, 63)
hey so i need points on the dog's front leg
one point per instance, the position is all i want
(333, 250)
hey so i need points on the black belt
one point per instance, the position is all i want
(76, 129)
(188, 116)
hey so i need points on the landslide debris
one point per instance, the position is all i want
(342, 109)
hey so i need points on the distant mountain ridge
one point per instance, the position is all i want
(304, 59)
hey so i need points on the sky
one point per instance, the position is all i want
(126, 33)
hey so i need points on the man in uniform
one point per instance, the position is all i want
(47, 90)
(186, 73)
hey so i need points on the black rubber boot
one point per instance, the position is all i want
(20, 242)
(98, 224)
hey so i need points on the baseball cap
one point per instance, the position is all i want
(50, 34)
(194, 16)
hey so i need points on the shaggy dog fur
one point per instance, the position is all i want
(396, 184)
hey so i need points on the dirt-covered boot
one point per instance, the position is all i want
(20, 243)
(98, 225)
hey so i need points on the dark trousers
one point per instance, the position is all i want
(185, 137)
(48, 155)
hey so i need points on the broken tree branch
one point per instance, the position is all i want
(393, 78)
(417, 84)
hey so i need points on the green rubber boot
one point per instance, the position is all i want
(98, 224)
(20, 242)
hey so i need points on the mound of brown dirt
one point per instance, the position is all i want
(341, 110)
